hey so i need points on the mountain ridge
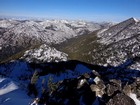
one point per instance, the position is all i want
(16, 35)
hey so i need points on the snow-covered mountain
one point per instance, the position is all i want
(16, 35)
(28, 31)
(71, 27)
(109, 46)
(4, 23)
(121, 31)
(121, 42)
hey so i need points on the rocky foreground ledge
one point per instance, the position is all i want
(91, 89)
(76, 83)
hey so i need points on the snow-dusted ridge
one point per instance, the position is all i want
(120, 42)
(119, 31)
(16, 35)
(48, 31)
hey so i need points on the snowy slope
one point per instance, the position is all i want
(123, 30)
(110, 46)
(11, 94)
(6, 23)
(70, 27)
(28, 31)
(64, 29)
(133, 96)
(119, 43)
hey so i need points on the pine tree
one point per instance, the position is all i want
(51, 86)
(34, 77)
(31, 87)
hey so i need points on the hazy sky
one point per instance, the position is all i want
(96, 10)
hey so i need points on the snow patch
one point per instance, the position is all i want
(136, 20)
(96, 80)
(134, 97)
(7, 86)
(11, 94)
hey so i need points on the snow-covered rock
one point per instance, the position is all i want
(44, 54)
(133, 96)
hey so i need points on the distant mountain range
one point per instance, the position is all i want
(19, 35)
(97, 43)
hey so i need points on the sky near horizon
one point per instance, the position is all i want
(93, 10)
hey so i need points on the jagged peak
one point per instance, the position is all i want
(134, 19)
(137, 20)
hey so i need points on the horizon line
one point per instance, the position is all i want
(56, 18)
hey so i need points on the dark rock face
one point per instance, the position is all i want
(136, 87)
(121, 99)
(94, 94)
(113, 86)
(92, 91)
